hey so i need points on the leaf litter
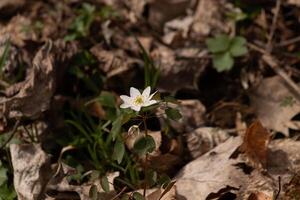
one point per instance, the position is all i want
(208, 152)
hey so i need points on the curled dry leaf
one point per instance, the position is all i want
(175, 73)
(21, 98)
(163, 11)
(111, 62)
(202, 140)
(209, 17)
(275, 104)
(32, 170)
(15, 30)
(255, 144)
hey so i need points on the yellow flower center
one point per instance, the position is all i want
(139, 100)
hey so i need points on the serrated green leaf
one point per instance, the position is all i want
(116, 127)
(138, 196)
(173, 113)
(218, 44)
(238, 46)
(93, 193)
(223, 62)
(119, 150)
(144, 145)
(104, 184)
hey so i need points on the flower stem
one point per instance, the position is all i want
(146, 158)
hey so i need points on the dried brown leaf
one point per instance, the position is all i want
(32, 170)
(32, 97)
(275, 104)
(255, 144)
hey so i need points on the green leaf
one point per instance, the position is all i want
(4, 56)
(7, 193)
(144, 145)
(104, 184)
(116, 127)
(107, 99)
(167, 189)
(93, 193)
(3, 174)
(171, 99)
(223, 62)
(173, 113)
(218, 44)
(164, 180)
(125, 197)
(238, 46)
(138, 196)
(119, 150)
(94, 175)
(151, 177)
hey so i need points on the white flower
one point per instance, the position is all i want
(136, 100)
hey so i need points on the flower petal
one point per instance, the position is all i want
(146, 92)
(136, 108)
(149, 103)
(125, 105)
(126, 99)
(134, 92)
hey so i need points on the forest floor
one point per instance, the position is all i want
(222, 123)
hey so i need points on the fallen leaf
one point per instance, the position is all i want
(259, 196)
(193, 115)
(157, 195)
(209, 17)
(111, 62)
(7, 7)
(202, 140)
(294, 2)
(211, 172)
(32, 170)
(176, 73)
(255, 144)
(21, 99)
(163, 11)
(275, 104)
(292, 189)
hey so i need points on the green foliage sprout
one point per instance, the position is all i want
(224, 49)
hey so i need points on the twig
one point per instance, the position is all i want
(288, 42)
(119, 194)
(279, 188)
(12, 134)
(273, 27)
(146, 158)
(274, 65)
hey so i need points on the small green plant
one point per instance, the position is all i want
(224, 49)
(7, 191)
(82, 23)
(288, 101)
